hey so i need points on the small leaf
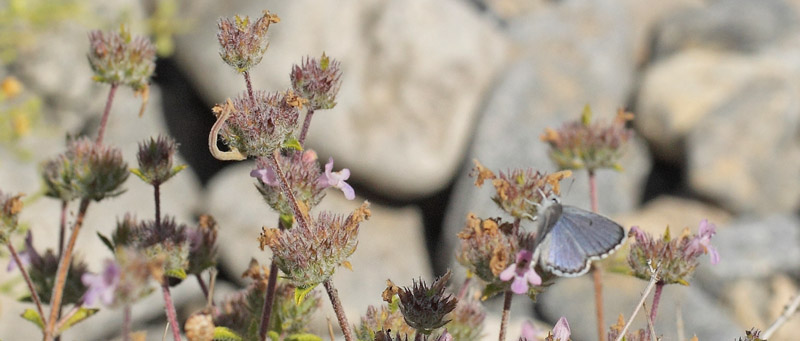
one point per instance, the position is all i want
(106, 241)
(82, 314)
(225, 334)
(347, 265)
(176, 170)
(492, 289)
(292, 143)
(300, 294)
(176, 273)
(138, 172)
(303, 337)
(287, 219)
(33, 316)
(586, 116)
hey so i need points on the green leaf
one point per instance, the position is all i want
(303, 337)
(106, 241)
(176, 273)
(273, 335)
(292, 143)
(492, 289)
(138, 172)
(82, 314)
(324, 62)
(586, 116)
(300, 294)
(287, 219)
(225, 334)
(33, 316)
(176, 170)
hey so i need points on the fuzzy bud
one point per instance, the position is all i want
(155, 158)
(118, 58)
(302, 173)
(260, 128)
(425, 308)
(86, 170)
(243, 43)
(318, 81)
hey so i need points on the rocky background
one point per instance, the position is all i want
(428, 86)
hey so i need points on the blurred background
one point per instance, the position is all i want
(427, 86)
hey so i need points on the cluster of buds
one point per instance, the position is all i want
(302, 172)
(10, 207)
(518, 191)
(155, 158)
(122, 281)
(118, 58)
(165, 242)
(255, 128)
(424, 308)
(309, 255)
(42, 270)
(318, 81)
(242, 42)
(677, 258)
(87, 171)
(590, 145)
(750, 335)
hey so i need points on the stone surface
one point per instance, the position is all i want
(391, 243)
(413, 76)
(731, 25)
(645, 18)
(759, 302)
(674, 212)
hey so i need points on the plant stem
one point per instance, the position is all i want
(464, 287)
(266, 310)
(656, 299)
(157, 195)
(249, 88)
(650, 285)
(126, 323)
(506, 311)
(63, 269)
(337, 307)
(287, 191)
(787, 313)
(170, 308)
(597, 272)
(202, 286)
(63, 320)
(27, 278)
(593, 191)
(306, 124)
(62, 227)
(106, 112)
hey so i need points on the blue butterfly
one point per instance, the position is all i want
(569, 238)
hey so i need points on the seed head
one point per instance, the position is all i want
(386, 317)
(425, 308)
(242, 43)
(155, 160)
(199, 327)
(318, 81)
(86, 170)
(118, 58)
(42, 270)
(487, 247)
(165, 242)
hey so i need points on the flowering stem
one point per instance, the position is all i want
(126, 323)
(157, 195)
(266, 310)
(597, 272)
(249, 87)
(287, 191)
(63, 269)
(62, 228)
(337, 307)
(27, 278)
(656, 299)
(106, 112)
(787, 313)
(650, 285)
(170, 308)
(506, 310)
(306, 124)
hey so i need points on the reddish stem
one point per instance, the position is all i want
(157, 195)
(337, 307)
(266, 310)
(656, 299)
(106, 113)
(203, 286)
(27, 278)
(306, 124)
(249, 88)
(597, 272)
(287, 191)
(170, 308)
(62, 227)
(126, 323)
(593, 191)
(464, 287)
(506, 311)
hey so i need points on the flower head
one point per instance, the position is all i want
(202, 244)
(242, 42)
(42, 270)
(425, 308)
(155, 160)
(101, 287)
(487, 247)
(522, 273)
(165, 243)
(302, 173)
(702, 242)
(87, 170)
(118, 58)
(590, 145)
(10, 207)
(318, 81)
(385, 317)
(529, 332)
(336, 179)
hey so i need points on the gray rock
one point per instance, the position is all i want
(646, 16)
(745, 162)
(414, 75)
(731, 25)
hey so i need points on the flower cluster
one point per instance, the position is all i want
(424, 308)
(487, 247)
(242, 42)
(318, 81)
(87, 171)
(155, 158)
(309, 255)
(302, 172)
(164, 241)
(677, 258)
(386, 317)
(10, 207)
(118, 58)
(522, 272)
(590, 145)
(518, 191)
(202, 245)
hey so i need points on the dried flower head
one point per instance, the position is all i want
(86, 170)
(318, 81)
(751, 335)
(424, 308)
(10, 207)
(242, 42)
(616, 329)
(518, 191)
(677, 257)
(590, 145)
(202, 244)
(118, 58)
(136, 273)
(156, 157)
(309, 255)
(256, 129)
(467, 319)
(386, 317)
(199, 327)
(487, 247)
(302, 173)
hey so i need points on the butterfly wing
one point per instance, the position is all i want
(575, 239)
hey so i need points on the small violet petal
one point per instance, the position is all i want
(561, 330)
(519, 286)
(533, 277)
(348, 191)
(712, 252)
(529, 331)
(508, 273)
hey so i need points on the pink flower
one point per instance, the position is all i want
(336, 179)
(101, 286)
(561, 330)
(703, 241)
(522, 272)
(529, 331)
(266, 175)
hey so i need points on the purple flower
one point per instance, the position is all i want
(266, 175)
(529, 331)
(703, 241)
(522, 272)
(561, 330)
(24, 258)
(101, 286)
(336, 179)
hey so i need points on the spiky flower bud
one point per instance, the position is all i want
(590, 145)
(10, 206)
(258, 129)
(86, 170)
(425, 308)
(202, 244)
(302, 173)
(243, 43)
(155, 158)
(199, 327)
(42, 271)
(318, 81)
(118, 58)
(309, 255)
(518, 191)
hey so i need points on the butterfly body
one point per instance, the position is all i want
(569, 238)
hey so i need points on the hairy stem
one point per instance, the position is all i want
(306, 124)
(27, 278)
(106, 113)
(170, 308)
(249, 87)
(337, 307)
(787, 313)
(62, 227)
(126, 323)
(656, 299)
(63, 269)
(506, 311)
(287, 190)
(157, 195)
(266, 310)
(203, 286)
(597, 272)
